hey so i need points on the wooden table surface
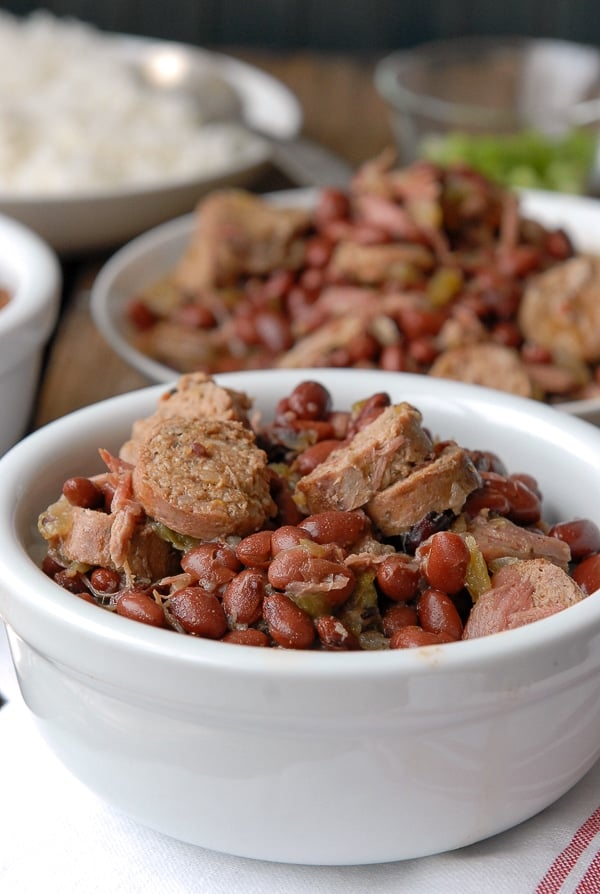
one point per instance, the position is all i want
(341, 111)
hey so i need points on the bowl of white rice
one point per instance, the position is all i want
(90, 156)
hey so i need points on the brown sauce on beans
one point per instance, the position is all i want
(330, 580)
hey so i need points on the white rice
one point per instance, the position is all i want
(74, 118)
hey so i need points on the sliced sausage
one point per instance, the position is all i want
(484, 363)
(380, 453)
(204, 478)
(522, 592)
(444, 483)
(560, 309)
(195, 395)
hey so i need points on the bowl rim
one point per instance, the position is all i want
(36, 595)
(34, 297)
(178, 230)
(251, 81)
(456, 114)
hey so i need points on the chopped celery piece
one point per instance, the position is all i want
(527, 160)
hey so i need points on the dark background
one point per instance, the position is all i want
(330, 25)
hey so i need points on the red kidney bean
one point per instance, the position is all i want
(368, 411)
(508, 334)
(244, 325)
(51, 567)
(398, 577)
(343, 528)
(287, 536)
(502, 302)
(73, 581)
(332, 205)
(334, 636)
(138, 606)
(196, 316)
(215, 564)
(106, 580)
(397, 616)
(108, 492)
(418, 322)
(318, 251)
(320, 429)
(437, 614)
(83, 492)
(312, 279)
(510, 497)
(310, 400)
(277, 285)
(288, 624)
(336, 231)
(249, 636)
(274, 331)
(314, 455)
(529, 481)
(367, 234)
(486, 497)
(525, 504)
(254, 551)
(486, 461)
(287, 510)
(414, 637)
(532, 353)
(297, 566)
(393, 358)
(558, 244)
(299, 305)
(428, 525)
(581, 534)
(423, 350)
(339, 357)
(587, 574)
(140, 315)
(198, 613)
(243, 597)
(362, 349)
(444, 561)
(520, 260)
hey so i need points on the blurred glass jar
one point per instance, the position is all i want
(523, 111)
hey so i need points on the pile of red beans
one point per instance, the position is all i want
(464, 261)
(328, 580)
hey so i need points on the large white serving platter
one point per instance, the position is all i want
(76, 222)
(149, 257)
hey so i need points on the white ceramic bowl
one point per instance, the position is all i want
(30, 271)
(76, 221)
(310, 757)
(151, 256)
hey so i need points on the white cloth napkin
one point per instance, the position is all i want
(58, 838)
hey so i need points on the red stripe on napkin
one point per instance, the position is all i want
(567, 860)
(590, 883)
